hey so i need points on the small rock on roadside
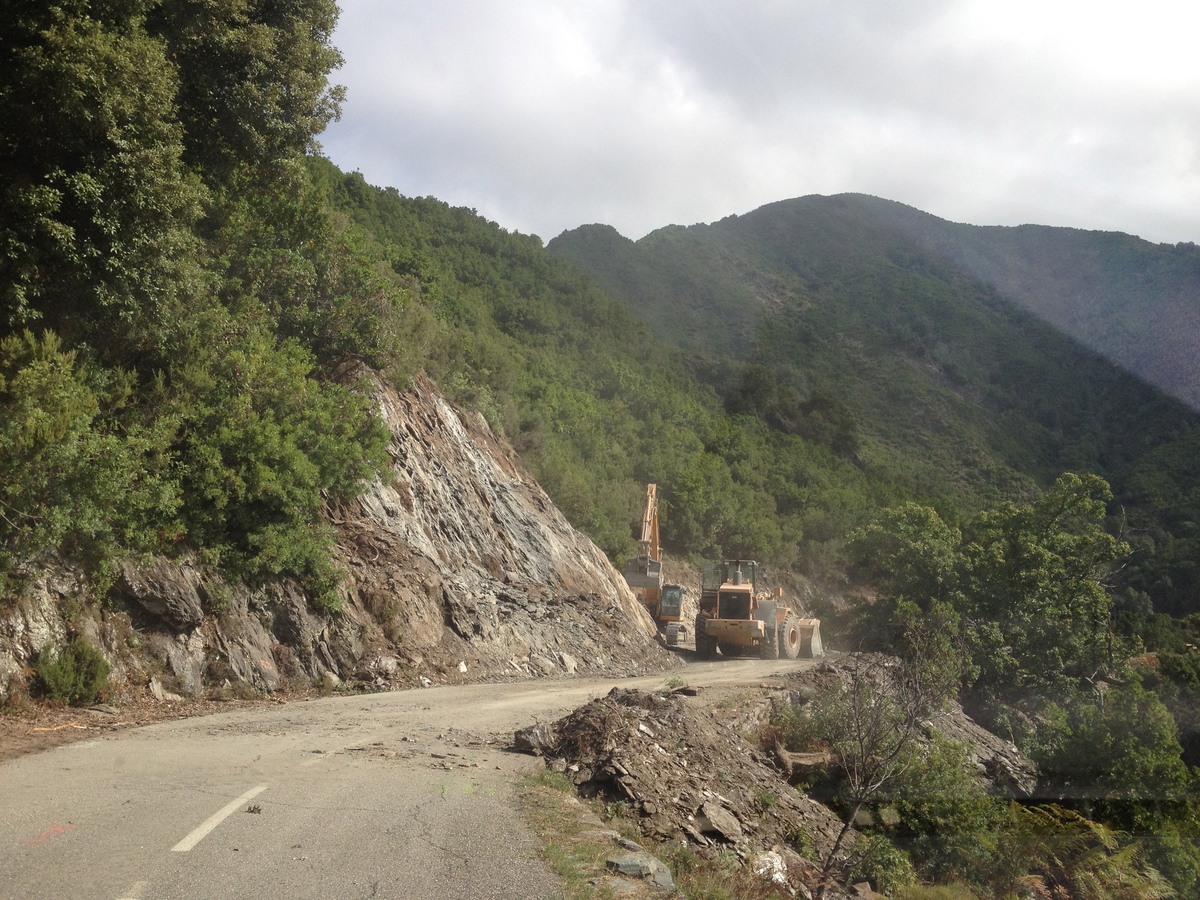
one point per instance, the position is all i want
(160, 694)
(644, 866)
(537, 739)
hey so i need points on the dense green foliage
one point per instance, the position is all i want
(594, 404)
(77, 475)
(75, 675)
(174, 301)
(1025, 587)
(1027, 577)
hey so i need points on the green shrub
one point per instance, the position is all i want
(879, 861)
(75, 674)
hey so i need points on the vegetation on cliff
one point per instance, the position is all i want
(173, 299)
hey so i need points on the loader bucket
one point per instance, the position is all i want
(810, 638)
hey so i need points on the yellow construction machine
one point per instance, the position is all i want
(738, 618)
(644, 575)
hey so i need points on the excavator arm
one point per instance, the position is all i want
(644, 571)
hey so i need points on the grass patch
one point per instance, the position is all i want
(556, 816)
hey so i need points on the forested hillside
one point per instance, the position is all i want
(174, 301)
(1134, 302)
(815, 318)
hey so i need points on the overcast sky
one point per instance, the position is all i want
(548, 114)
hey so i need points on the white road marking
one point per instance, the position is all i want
(215, 819)
(135, 892)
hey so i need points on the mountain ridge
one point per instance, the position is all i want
(939, 380)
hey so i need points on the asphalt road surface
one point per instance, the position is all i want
(395, 796)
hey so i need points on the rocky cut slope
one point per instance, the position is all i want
(460, 568)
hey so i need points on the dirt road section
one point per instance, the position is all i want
(403, 794)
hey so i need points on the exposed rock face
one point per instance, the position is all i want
(166, 589)
(1006, 770)
(34, 620)
(461, 568)
(464, 557)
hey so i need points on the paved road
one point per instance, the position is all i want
(394, 796)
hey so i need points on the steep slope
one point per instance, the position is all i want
(460, 568)
(1134, 302)
(464, 557)
(934, 367)
(595, 404)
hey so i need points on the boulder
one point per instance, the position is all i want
(540, 740)
(642, 865)
(167, 589)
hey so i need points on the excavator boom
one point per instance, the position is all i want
(644, 571)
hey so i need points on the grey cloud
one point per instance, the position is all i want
(546, 114)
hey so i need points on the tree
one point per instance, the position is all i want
(157, 225)
(253, 90)
(1027, 581)
(870, 726)
(908, 551)
(1034, 587)
(82, 472)
(97, 206)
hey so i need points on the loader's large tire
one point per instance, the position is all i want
(706, 647)
(769, 648)
(789, 637)
(673, 634)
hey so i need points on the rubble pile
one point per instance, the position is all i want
(684, 776)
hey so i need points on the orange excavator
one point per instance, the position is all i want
(644, 575)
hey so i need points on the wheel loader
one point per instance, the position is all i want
(739, 619)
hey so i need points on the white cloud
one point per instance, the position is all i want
(547, 114)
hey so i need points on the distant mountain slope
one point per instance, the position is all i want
(825, 319)
(1134, 302)
(834, 301)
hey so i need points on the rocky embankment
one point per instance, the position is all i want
(460, 568)
(693, 770)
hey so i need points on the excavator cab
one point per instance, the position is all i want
(670, 604)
